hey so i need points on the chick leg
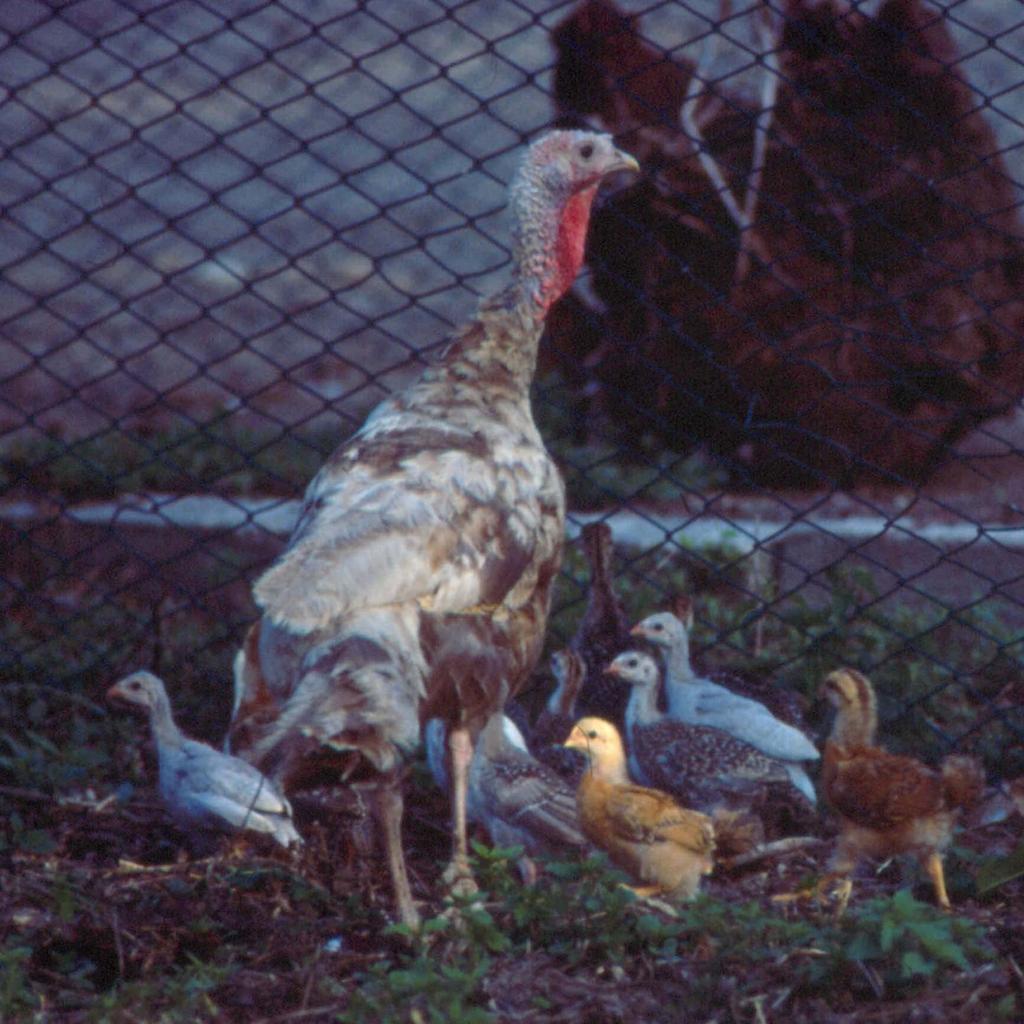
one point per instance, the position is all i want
(841, 866)
(458, 876)
(644, 891)
(842, 893)
(933, 868)
(388, 806)
(839, 883)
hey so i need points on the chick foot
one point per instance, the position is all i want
(831, 887)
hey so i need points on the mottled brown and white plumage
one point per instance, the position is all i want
(704, 767)
(888, 804)
(603, 630)
(697, 700)
(417, 580)
(665, 847)
(205, 789)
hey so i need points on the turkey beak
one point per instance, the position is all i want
(611, 670)
(638, 631)
(620, 160)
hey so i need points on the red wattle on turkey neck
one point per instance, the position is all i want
(569, 245)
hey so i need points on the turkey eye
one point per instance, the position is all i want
(586, 151)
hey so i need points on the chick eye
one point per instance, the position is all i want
(592, 735)
(587, 150)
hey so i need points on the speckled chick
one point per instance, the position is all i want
(696, 700)
(665, 848)
(518, 800)
(202, 787)
(702, 766)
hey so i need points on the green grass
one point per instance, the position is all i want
(227, 455)
(221, 456)
(896, 944)
(181, 996)
(212, 935)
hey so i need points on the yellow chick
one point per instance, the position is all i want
(645, 832)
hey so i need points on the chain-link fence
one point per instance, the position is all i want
(788, 379)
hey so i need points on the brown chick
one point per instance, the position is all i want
(645, 832)
(888, 804)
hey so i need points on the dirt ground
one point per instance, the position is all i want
(118, 896)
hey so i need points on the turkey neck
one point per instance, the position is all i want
(161, 721)
(678, 666)
(498, 351)
(549, 231)
(548, 239)
(563, 698)
(681, 692)
(642, 708)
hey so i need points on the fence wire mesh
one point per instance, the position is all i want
(788, 378)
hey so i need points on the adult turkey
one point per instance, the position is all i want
(417, 581)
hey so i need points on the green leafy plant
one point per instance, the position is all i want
(16, 834)
(587, 918)
(17, 997)
(440, 980)
(994, 872)
(179, 997)
(903, 941)
(593, 919)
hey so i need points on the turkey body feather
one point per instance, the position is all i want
(437, 530)
(443, 498)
